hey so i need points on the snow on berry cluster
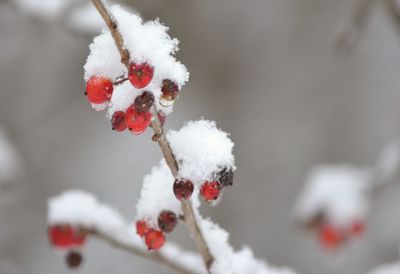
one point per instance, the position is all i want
(154, 75)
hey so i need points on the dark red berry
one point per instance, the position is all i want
(225, 177)
(73, 259)
(169, 92)
(137, 122)
(154, 239)
(99, 89)
(183, 189)
(140, 75)
(118, 121)
(330, 237)
(144, 101)
(211, 190)
(167, 221)
(142, 228)
(357, 228)
(66, 236)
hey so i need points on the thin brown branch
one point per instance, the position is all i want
(189, 216)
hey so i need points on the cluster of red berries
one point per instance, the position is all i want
(332, 237)
(137, 117)
(209, 191)
(69, 238)
(153, 238)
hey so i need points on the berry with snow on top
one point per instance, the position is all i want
(99, 89)
(66, 236)
(167, 221)
(137, 122)
(210, 190)
(170, 91)
(183, 189)
(140, 75)
(154, 239)
(118, 121)
(142, 228)
(73, 259)
(144, 102)
(330, 237)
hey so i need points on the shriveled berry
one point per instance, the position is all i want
(211, 190)
(167, 221)
(225, 177)
(142, 228)
(99, 89)
(154, 239)
(330, 237)
(169, 92)
(118, 121)
(137, 122)
(183, 189)
(74, 259)
(140, 75)
(357, 228)
(144, 101)
(66, 236)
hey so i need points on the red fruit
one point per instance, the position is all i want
(329, 237)
(357, 228)
(169, 90)
(66, 236)
(154, 239)
(144, 101)
(211, 190)
(142, 228)
(118, 121)
(140, 75)
(74, 259)
(183, 189)
(137, 122)
(167, 221)
(99, 89)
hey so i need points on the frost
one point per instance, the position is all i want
(201, 150)
(147, 42)
(339, 192)
(393, 268)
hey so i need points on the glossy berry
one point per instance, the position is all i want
(357, 228)
(137, 122)
(183, 189)
(140, 75)
(169, 92)
(142, 228)
(118, 121)
(144, 101)
(99, 89)
(167, 221)
(330, 237)
(154, 239)
(66, 236)
(74, 259)
(225, 177)
(211, 190)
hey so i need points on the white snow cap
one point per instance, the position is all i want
(147, 42)
(339, 192)
(201, 150)
(393, 268)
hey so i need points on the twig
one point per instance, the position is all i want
(189, 216)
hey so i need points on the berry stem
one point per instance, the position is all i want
(159, 136)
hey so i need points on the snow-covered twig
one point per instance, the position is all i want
(159, 136)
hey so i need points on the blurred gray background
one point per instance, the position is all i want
(265, 70)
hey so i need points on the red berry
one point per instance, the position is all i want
(99, 89)
(357, 228)
(144, 101)
(329, 237)
(140, 75)
(118, 121)
(169, 90)
(142, 228)
(183, 189)
(211, 190)
(74, 259)
(137, 122)
(167, 221)
(65, 236)
(154, 239)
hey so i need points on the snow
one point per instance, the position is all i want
(393, 268)
(339, 192)
(201, 150)
(147, 42)
(388, 162)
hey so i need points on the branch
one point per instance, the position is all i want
(160, 137)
